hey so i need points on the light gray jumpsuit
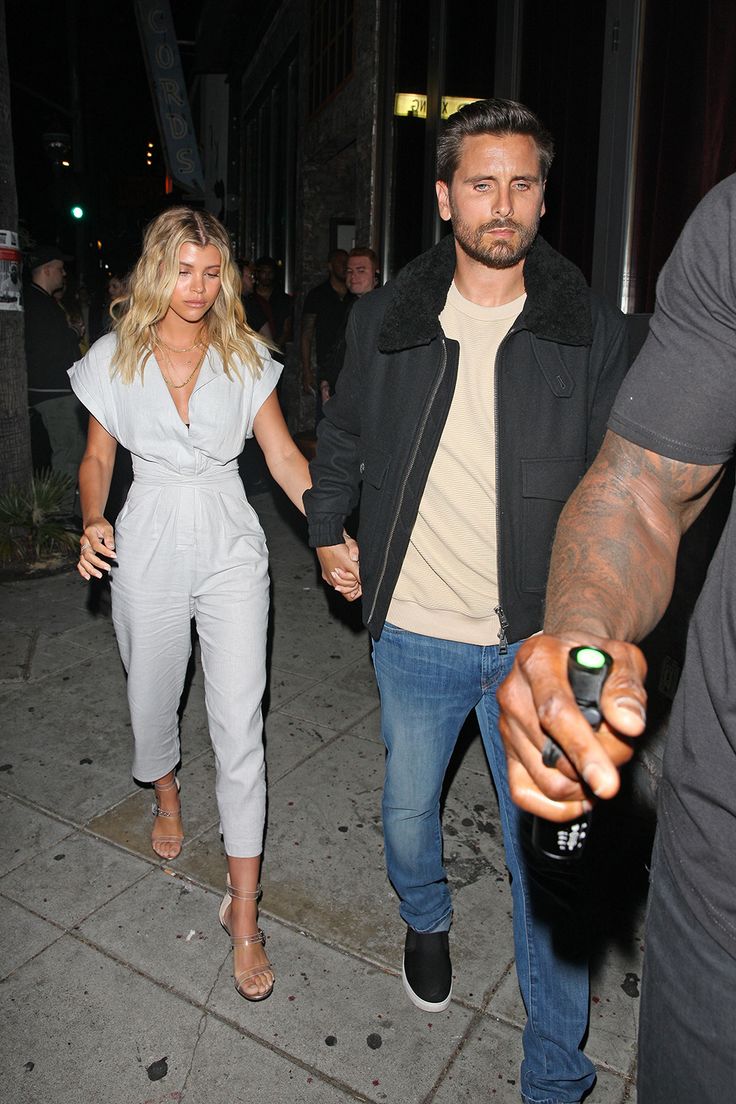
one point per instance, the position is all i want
(188, 544)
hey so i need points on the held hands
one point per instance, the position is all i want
(536, 702)
(98, 540)
(340, 565)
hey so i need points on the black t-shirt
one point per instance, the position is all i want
(331, 313)
(52, 345)
(254, 313)
(276, 309)
(679, 400)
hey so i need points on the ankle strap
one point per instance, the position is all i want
(166, 785)
(244, 894)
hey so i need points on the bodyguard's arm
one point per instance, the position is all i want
(611, 579)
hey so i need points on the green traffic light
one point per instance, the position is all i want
(591, 658)
(77, 212)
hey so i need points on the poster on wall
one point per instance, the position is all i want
(11, 294)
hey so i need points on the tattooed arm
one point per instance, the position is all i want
(611, 579)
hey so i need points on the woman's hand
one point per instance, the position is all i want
(340, 565)
(97, 540)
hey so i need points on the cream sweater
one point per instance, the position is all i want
(448, 586)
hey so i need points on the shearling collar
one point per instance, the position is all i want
(557, 306)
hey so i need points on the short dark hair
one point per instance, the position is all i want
(364, 251)
(501, 117)
(336, 253)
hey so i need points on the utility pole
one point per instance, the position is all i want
(78, 159)
(15, 434)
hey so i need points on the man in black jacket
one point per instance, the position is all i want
(52, 346)
(474, 395)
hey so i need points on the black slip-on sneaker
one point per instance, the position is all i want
(427, 970)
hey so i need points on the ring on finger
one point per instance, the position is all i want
(84, 547)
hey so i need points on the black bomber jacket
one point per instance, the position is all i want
(556, 375)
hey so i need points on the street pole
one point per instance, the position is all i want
(15, 433)
(78, 162)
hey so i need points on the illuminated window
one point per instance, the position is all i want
(330, 48)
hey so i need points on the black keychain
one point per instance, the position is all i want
(587, 669)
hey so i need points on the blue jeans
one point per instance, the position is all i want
(428, 687)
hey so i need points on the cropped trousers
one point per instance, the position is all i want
(194, 548)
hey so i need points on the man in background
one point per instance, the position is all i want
(324, 315)
(52, 346)
(362, 273)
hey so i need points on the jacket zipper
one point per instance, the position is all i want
(503, 643)
(407, 473)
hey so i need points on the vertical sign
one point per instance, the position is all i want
(163, 63)
(11, 295)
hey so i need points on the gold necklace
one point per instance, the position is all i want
(160, 341)
(176, 386)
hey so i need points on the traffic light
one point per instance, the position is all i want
(77, 212)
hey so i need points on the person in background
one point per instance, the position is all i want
(362, 273)
(181, 382)
(277, 306)
(325, 312)
(52, 346)
(254, 312)
(361, 277)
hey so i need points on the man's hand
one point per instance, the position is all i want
(536, 701)
(340, 565)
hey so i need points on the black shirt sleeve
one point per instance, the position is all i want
(679, 398)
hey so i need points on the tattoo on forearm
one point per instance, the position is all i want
(613, 561)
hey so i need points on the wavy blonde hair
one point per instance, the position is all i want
(151, 285)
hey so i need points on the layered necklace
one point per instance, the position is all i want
(168, 349)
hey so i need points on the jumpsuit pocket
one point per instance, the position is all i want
(240, 521)
(140, 509)
(546, 486)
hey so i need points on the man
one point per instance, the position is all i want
(473, 396)
(276, 305)
(324, 315)
(255, 315)
(362, 270)
(361, 276)
(52, 346)
(672, 429)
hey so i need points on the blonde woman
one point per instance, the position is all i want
(181, 382)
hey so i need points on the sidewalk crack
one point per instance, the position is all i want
(202, 1027)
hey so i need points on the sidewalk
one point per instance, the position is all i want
(116, 973)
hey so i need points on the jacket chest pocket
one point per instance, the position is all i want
(546, 486)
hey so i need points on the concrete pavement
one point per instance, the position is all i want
(116, 976)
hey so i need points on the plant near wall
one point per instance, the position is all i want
(31, 520)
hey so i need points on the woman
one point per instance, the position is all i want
(181, 382)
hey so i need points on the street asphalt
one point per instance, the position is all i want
(116, 976)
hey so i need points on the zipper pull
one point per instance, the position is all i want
(503, 644)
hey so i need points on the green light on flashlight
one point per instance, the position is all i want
(590, 658)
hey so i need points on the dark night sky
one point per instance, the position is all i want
(118, 190)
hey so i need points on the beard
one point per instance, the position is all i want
(497, 254)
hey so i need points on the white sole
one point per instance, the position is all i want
(426, 1006)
